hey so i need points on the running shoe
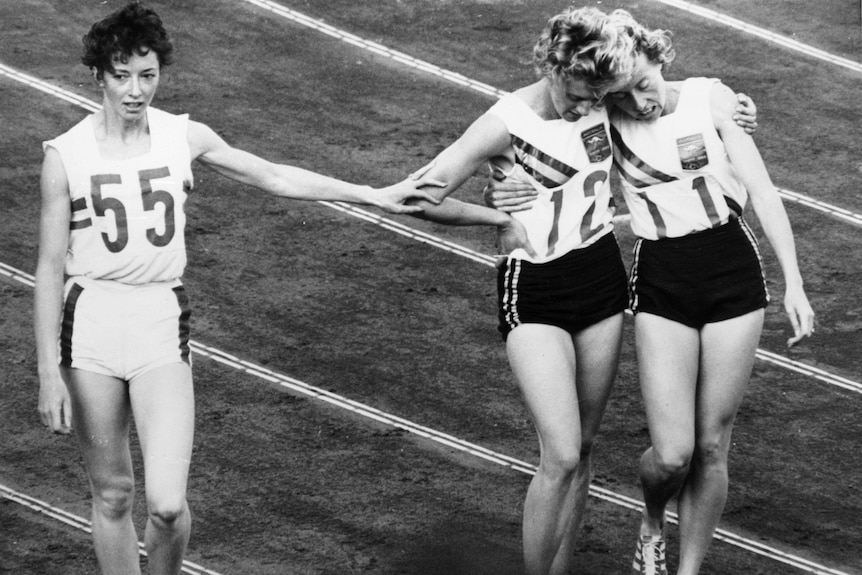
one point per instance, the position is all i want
(650, 556)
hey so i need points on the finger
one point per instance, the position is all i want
(67, 417)
(423, 195)
(808, 324)
(404, 209)
(521, 195)
(56, 423)
(423, 170)
(744, 100)
(795, 339)
(515, 208)
(508, 191)
(430, 182)
(515, 188)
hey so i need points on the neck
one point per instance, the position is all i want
(113, 126)
(671, 98)
(540, 99)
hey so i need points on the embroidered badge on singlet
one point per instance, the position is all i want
(596, 143)
(692, 152)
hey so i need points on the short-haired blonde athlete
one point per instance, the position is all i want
(697, 286)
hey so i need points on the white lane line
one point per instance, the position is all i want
(809, 370)
(81, 523)
(376, 48)
(764, 34)
(17, 275)
(829, 209)
(43, 86)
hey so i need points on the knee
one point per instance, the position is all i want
(672, 462)
(711, 453)
(562, 465)
(166, 513)
(114, 499)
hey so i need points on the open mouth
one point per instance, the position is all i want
(648, 112)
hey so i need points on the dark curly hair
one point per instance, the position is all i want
(131, 29)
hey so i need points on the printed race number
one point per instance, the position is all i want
(592, 182)
(150, 199)
(699, 185)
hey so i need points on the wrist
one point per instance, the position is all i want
(793, 282)
(370, 195)
(505, 220)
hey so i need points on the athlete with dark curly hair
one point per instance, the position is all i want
(108, 290)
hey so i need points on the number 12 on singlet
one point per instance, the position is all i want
(591, 183)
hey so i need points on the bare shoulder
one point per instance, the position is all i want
(202, 139)
(54, 170)
(723, 103)
(722, 98)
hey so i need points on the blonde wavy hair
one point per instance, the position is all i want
(584, 43)
(655, 44)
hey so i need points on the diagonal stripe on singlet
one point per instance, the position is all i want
(525, 150)
(623, 152)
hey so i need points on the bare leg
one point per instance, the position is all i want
(667, 354)
(566, 399)
(727, 355)
(163, 404)
(101, 412)
(597, 349)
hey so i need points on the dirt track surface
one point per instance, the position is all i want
(285, 484)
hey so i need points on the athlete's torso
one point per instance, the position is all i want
(675, 173)
(568, 164)
(128, 218)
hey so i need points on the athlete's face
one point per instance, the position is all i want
(645, 95)
(572, 97)
(129, 87)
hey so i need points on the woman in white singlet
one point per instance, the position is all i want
(112, 341)
(697, 287)
(561, 288)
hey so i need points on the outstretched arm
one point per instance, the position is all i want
(485, 139)
(767, 204)
(297, 183)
